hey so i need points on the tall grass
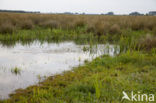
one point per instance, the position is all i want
(26, 24)
(99, 24)
(147, 43)
(7, 27)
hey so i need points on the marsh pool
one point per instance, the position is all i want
(39, 60)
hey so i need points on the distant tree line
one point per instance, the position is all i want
(153, 13)
(19, 11)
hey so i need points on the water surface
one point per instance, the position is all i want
(39, 60)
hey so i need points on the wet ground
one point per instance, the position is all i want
(41, 60)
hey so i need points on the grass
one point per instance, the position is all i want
(78, 35)
(101, 80)
(148, 42)
(16, 70)
(94, 23)
(7, 28)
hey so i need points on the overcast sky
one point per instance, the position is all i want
(87, 6)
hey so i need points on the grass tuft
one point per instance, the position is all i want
(16, 70)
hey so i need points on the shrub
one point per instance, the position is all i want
(154, 30)
(67, 25)
(27, 24)
(137, 24)
(37, 20)
(80, 23)
(7, 27)
(90, 28)
(147, 43)
(50, 24)
(102, 28)
(115, 29)
(150, 25)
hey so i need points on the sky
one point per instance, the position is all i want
(87, 6)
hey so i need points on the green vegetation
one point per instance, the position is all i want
(16, 70)
(99, 81)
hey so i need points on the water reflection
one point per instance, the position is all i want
(43, 59)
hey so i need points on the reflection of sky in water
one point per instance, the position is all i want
(44, 60)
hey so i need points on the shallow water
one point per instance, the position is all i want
(39, 60)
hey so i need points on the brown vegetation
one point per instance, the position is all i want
(147, 43)
(26, 24)
(100, 25)
(115, 29)
(7, 27)
(50, 24)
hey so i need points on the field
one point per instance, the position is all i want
(101, 80)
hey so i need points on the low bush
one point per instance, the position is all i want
(50, 24)
(90, 28)
(27, 24)
(115, 29)
(102, 28)
(154, 30)
(137, 24)
(80, 23)
(147, 43)
(7, 27)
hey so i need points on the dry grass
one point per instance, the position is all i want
(7, 27)
(27, 24)
(50, 24)
(115, 29)
(154, 30)
(98, 24)
(148, 42)
(102, 28)
(80, 23)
